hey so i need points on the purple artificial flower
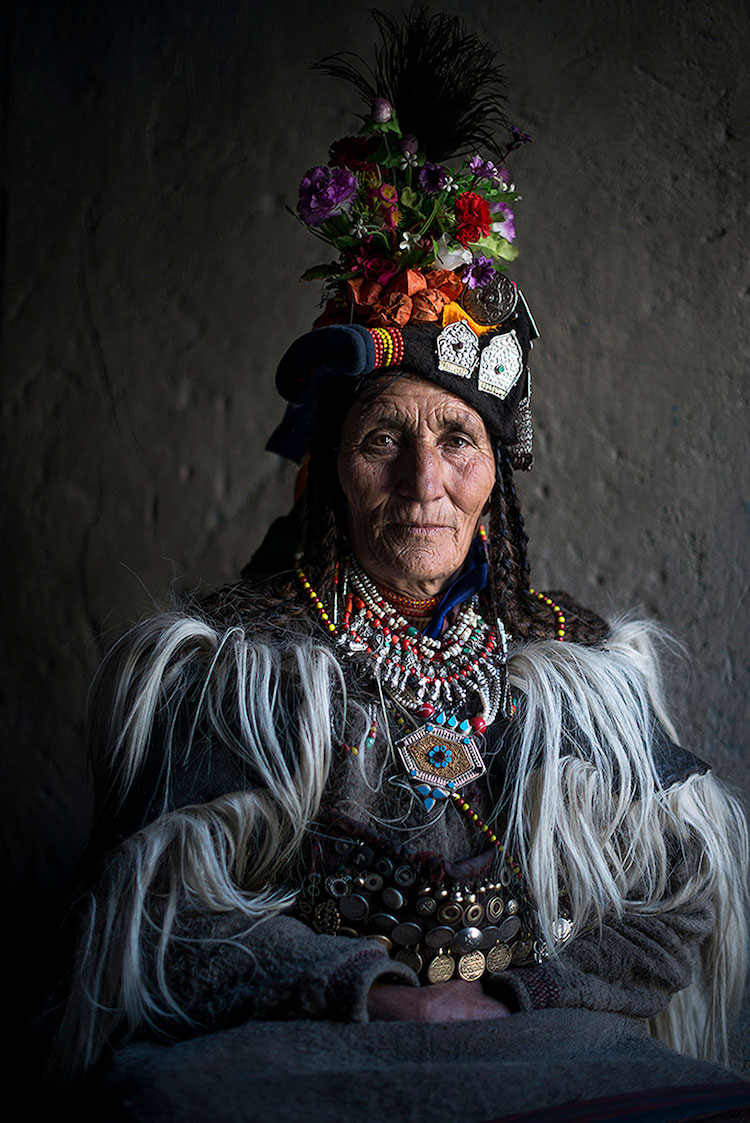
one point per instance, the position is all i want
(381, 110)
(519, 137)
(323, 192)
(484, 169)
(506, 227)
(433, 178)
(478, 273)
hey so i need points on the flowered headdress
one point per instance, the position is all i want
(423, 228)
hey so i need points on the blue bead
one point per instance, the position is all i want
(440, 718)
(452, 722)
(464, 727)
(429, 804)
(423, 789)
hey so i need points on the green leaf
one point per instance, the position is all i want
(409, 198)
(322, 272)
(497, 247)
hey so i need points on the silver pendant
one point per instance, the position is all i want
(501, 365)
(458, 349)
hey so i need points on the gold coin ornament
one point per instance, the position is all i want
(441, 969)
(471, 966)
(498, 958)
(411, 958)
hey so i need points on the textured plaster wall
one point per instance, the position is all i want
(149, 286)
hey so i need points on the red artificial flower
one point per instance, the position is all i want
(473, 217)
(352, 152)
(379, 269)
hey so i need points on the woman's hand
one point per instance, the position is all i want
(456, 1001)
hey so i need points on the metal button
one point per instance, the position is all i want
(326, 918)
(354, 907)
(495, 908)
(373, 882)
(338, 886)
(384, 867)
(490, 937)
(473, 914)
(450, 913)
(383, 922)
(439, 937)
(426, 906)
(347, 932)
(363, 857)
(510, 928)
(343, 846)
(512, 907)
(382, 940)
(404, 876)
(562, 929)
(505, 876)
(406, 934)
(466, 939)
(392, 898)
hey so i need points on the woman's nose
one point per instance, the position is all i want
(421, 474)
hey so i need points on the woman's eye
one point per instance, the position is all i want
(380, 440)
(457, 440)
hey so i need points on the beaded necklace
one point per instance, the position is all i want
(450, 688)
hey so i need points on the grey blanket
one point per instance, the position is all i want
(407, 1072)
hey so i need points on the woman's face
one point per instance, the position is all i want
(416, 466)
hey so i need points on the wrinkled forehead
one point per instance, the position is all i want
(406, 399)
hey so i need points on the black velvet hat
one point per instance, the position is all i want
(487, 368)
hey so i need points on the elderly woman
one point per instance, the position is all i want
(390, 781)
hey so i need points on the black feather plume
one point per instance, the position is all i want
(444, 84)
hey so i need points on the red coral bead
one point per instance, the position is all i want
(478, 724)
(427, 710)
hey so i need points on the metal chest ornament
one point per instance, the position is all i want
(442, 755)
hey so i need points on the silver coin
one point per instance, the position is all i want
(466, 939)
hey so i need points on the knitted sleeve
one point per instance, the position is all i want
(632, 965)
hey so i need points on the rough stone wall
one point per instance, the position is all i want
(149, 286)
